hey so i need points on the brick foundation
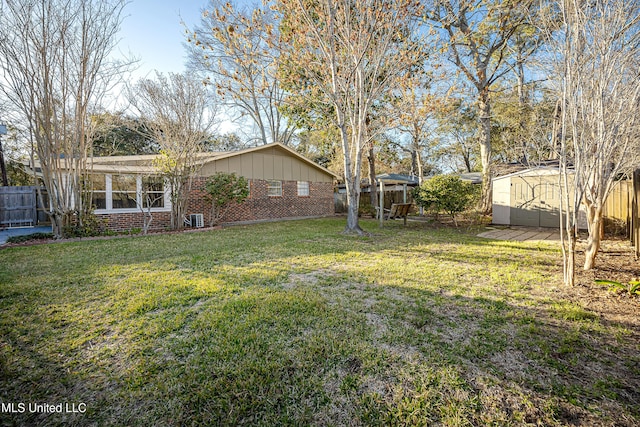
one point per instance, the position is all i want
(127, 221)
(258, 206)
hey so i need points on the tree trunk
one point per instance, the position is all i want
(570, 267)
(57, 225)
(485, 151)
(466, 156)
(3, 167)
(522, 103)
(352, 181)
(594, 217)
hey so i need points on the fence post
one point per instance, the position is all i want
(635, 212)
(34, 214)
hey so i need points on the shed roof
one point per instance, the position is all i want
(541, 170)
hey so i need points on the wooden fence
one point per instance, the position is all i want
(635, 212)
(622, 210)
(617, 209)
(19, 207)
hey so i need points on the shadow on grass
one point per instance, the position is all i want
(307, 330)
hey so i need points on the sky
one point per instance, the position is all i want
(152, 32)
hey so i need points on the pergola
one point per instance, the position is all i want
(392, 179)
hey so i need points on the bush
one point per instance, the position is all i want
(222, 190)
(445, 193)
(91, 226)
(27, 237)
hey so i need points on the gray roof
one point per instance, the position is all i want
(394, 178)
(472, 177)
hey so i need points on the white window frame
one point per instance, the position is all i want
(129, 193)
(139, 202)
(303, 188)
(140, 193)
(271, 187)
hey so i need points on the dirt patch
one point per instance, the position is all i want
(616, 261)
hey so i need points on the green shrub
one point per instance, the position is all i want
(445, 193)
(27, 237)
(367, 210)
(223, 189)
(91, 226)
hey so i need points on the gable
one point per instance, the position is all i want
(272, 161)
(268, 162)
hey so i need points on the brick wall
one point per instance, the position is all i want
(258, 206)
(126, 221)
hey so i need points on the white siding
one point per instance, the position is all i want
(502, 201)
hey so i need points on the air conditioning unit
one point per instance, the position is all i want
(195, 220)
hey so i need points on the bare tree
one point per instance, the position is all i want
(478, 37)
(416, 109)
(236, 49)
(179, 114)
(348, 55)
(597, 57)
(152, 193)
(457, 124)
(54, 59)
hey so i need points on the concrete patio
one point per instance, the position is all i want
(522, 234)
(21, 231)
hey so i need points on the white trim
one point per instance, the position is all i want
(277, 187)
(108, 188)
(306, 186)
(129, 210)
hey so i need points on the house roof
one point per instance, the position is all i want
(472, 177)
(143, 163)
(394, 178)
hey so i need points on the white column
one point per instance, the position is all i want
(381, 200)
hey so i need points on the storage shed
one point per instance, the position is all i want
(529, 198)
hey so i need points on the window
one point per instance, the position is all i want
(98, 189)
(124, 191)
(274, 188)
(128, 192)
(153, 192)
(303, 189)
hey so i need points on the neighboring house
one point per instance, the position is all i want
(282, 184)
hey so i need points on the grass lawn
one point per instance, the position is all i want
(293, 323)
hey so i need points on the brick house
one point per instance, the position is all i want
(282, 184)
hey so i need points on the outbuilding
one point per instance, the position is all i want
(530, 198)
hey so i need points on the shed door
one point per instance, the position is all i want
(536, 202)
(525, 210)
(549, 203)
